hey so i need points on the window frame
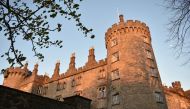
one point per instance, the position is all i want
(102, 92)
(115, 74)
(114, 42)
(116, 99)
(158, 97)
(115, 57)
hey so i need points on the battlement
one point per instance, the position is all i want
(84, 68)
(175, 88)
(130, 26)
(16, 72)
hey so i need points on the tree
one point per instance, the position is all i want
(179, 26)
(29, 20)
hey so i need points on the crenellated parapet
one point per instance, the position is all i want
(128, 27)
(84, 69)
(175, 88)
(16, 72)
(15, 75)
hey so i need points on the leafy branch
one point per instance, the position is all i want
(29, 20)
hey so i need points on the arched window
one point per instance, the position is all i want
(102, 92)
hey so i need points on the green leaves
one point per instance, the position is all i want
(59, 27)
(30, 22)
(53, 15)
(76, 6)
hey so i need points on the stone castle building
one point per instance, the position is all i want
(128, 78)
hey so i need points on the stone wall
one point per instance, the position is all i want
(15, 99)
(176, 97)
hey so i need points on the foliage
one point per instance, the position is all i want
(179, 25)
(29, 20)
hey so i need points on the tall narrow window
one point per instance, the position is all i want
(115, 99)
(39, 90)
(61, 86)
(114, 42)
(64, 85)
(148, 54)
(45, 88)
(158, 97)
(73, 83)
(101, 74)
(115, 74)
(115, 57)
(58, 86)
(102, 92)
(78, 80)
(153, 72)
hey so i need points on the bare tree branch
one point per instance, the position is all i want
(179, 26)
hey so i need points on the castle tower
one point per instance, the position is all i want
(15, 76)
(133, 80)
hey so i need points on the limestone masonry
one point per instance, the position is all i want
(128, 78)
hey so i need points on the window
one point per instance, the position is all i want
(102, 92)
(115, 74)
(61, 86)
(153, 72)
(115, 57)
(73, 83)
(158, 97)
(45, 88)
(101, 74)
(150, 63)
(40, 90)
(148, 54)
(59, 98)
(114, 42)
(78, 92)
(115, 99)
(78, 82)
(146, 40)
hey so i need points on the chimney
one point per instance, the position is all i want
(72, 61)
(56, 71)
(35, 70)
(91, 56)
(26, 66)
(121, 18)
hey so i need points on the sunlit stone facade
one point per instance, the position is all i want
(128, 78)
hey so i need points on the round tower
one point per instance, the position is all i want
(14, 76)
(131, 65)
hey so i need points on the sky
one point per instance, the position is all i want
(100, 15)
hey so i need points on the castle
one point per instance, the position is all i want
(128, 78)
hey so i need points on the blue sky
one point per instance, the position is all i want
(100, 15)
